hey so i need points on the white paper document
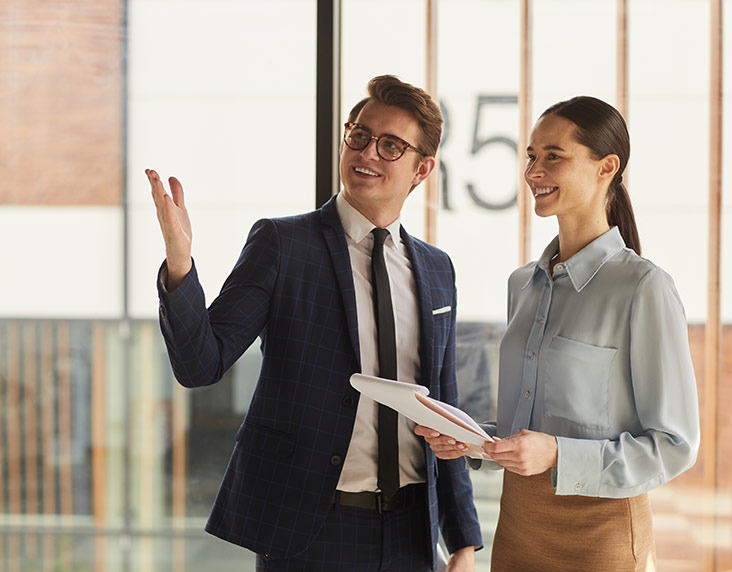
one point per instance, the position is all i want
(411, 400)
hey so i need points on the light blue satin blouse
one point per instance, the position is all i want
(598, 355)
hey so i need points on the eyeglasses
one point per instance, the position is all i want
(389, 147)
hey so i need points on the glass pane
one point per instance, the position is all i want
(669, 104)
(365, 54)
(574, 52)
(53, 419)
(478, 74)
(105, 462)
(213, 86)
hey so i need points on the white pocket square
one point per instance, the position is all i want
(442, 310)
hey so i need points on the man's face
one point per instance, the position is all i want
(374, 186)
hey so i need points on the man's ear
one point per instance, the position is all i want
(424, 169)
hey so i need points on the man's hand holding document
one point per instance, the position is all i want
(410, 400)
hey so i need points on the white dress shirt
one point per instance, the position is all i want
(360, 466)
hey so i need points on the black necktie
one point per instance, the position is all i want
(388, 473)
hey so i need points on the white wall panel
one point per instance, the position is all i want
(222, 96)
(61, 262)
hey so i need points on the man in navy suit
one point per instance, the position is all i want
(301, 486)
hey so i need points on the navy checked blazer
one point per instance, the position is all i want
(293, 286)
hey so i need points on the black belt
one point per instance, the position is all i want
(403, 498)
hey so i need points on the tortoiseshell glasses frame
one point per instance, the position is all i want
(388, 147)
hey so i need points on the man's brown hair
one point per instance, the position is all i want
(390, 90)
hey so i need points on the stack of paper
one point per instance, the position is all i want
(411, 400)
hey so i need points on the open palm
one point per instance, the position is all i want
(175, 225)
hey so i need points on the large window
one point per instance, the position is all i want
(105, 462)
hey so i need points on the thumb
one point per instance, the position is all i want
(176, 190)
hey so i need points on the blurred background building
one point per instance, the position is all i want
(105, 463)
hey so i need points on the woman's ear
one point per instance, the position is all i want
(609, 165)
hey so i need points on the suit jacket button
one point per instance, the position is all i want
(335, 460)
(347, 401)
(163, 313)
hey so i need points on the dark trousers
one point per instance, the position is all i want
(362, 540)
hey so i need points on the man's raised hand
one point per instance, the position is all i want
(175, 226)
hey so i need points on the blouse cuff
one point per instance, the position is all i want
(579, 466)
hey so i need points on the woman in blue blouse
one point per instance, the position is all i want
(597, 399)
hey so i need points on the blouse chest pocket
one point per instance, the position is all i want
(578, 382)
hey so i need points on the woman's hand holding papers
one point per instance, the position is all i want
(525, 453)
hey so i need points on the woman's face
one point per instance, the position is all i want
(564, 178)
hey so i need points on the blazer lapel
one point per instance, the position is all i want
(424, 300)
(335, 239)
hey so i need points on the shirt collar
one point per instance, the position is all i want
(583, 266)
(356, 226)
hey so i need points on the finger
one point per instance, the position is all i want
(500, 446)
(503, 459)
(438, 445)
(169, 212)
(176, 189)
(490, 448)
(509, 463)
(442, 445)
(509, 460)
(156, 185)
(152, 176)
(426, 431)
(444, 441)
(160, 197)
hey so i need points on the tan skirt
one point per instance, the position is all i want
(539, 531)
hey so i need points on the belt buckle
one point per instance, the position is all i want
(385, 504)
(381, 503)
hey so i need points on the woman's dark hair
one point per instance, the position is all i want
(601, 128)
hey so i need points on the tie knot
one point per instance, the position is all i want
(380, 235)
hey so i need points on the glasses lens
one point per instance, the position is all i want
(357, 138)
(390, 148)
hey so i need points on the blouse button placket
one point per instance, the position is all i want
(522, 418)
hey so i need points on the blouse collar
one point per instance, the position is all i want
(582, 266)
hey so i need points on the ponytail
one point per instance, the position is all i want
(620, 213)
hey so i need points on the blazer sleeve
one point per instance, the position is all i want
(458, 516)
(203, 343)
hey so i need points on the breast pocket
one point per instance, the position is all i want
(578, 382)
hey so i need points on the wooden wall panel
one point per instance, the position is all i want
(693, 520)
(61, 102)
